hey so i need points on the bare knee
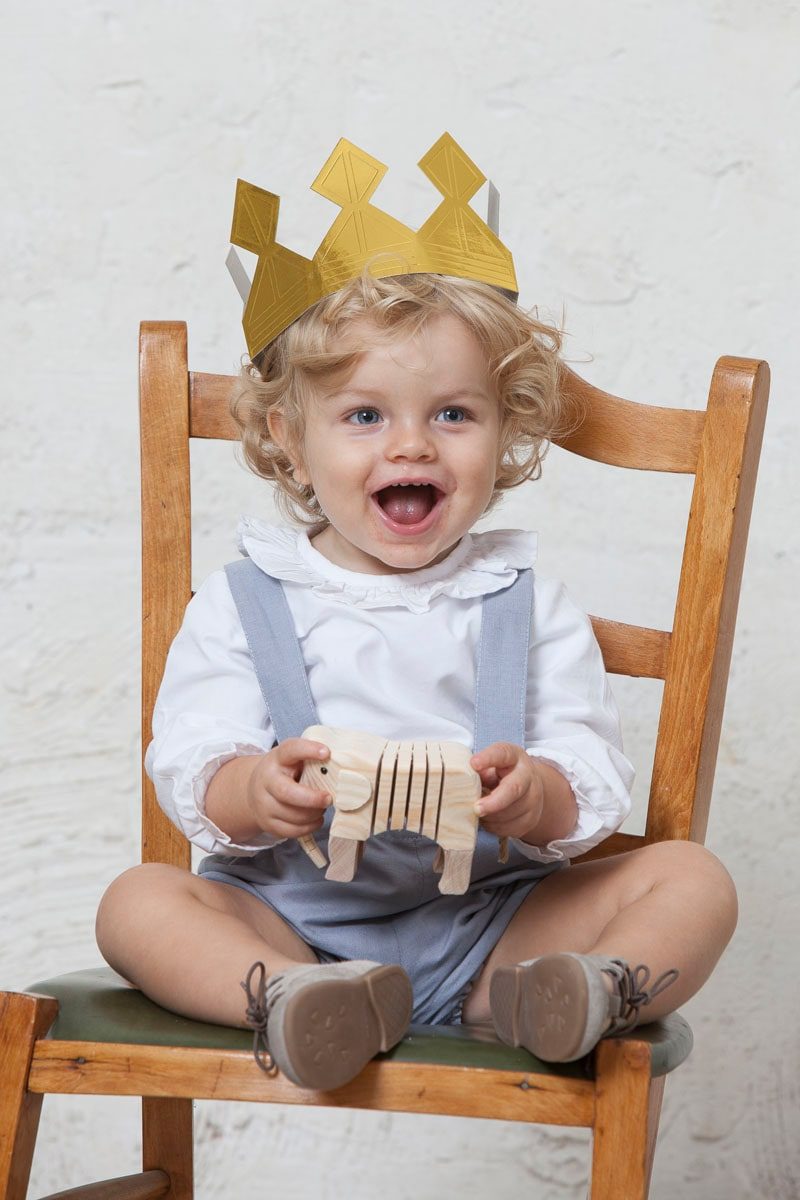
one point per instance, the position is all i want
(134, 900)
(715, 888)
(139, 884)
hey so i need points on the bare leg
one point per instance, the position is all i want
(187, 942)
(671, 904)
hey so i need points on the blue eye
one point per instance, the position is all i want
(453, 416)
(372, 416)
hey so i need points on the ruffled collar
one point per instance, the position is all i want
(481, 563)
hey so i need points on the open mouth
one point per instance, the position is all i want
(408, 503)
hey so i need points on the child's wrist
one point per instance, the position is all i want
(558, 812)
(228, 799)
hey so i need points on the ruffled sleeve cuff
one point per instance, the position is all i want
(603, 802)
(182, 794)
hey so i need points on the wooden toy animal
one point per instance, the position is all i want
(377, 784)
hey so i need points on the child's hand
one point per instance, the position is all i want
(513, 798)
(279, 804)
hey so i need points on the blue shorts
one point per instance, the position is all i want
(393, 912)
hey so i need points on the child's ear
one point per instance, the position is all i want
(279, 432)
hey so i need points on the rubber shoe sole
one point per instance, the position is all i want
(324, 1033)
(550, 1007)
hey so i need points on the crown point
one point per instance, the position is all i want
(255, 217)
(350, 175)
(452, 171)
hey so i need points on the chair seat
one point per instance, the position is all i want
(98, 1006)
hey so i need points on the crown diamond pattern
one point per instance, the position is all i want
(453, 241)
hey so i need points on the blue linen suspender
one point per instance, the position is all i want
(272, 641)
(501, 676)
(501, 673)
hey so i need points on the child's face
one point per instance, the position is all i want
(420, 411)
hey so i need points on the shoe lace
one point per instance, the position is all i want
(256, 1016)
(631, 986)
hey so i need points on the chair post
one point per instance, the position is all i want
(166, 542)
(627, 1111)
(166, 590)
(708, 596)
(167, 1143)
(23, 1019)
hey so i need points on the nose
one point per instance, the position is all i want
(410, 439)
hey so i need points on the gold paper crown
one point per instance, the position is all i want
(453, 241)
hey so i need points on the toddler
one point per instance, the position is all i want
(391, 416)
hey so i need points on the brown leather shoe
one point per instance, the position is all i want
(559, 1006)
(322, 1024)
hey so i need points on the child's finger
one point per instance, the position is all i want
(287, 791)
(489, 779)
(511, 789)
(298, 750)
(508, 829)
(294, 828)
(507, 817)
(297, 814)
(498, 755)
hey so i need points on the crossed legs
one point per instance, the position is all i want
(668, 905)
(188, 942)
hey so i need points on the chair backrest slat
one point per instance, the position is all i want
(632, 649)
(209, 415)
(720, 446)
(623, 434)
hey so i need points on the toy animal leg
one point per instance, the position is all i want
(345, 855)
(457, 869)
(312, 850)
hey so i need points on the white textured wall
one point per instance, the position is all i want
(647, 156)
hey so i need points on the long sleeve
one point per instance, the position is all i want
(573, 722)
(209, 710)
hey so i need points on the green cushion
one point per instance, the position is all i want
(97, 1006)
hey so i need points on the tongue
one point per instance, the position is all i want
(407, 505)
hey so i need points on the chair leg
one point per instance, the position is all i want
(23, 1019)
(628, 1106)
(167, 1143)
(653, 1117)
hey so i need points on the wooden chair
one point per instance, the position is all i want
(85, 1033)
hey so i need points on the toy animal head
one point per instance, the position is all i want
(340, 775)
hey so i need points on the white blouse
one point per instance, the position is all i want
(392, 655)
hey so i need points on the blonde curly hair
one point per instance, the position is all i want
(522, 353)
